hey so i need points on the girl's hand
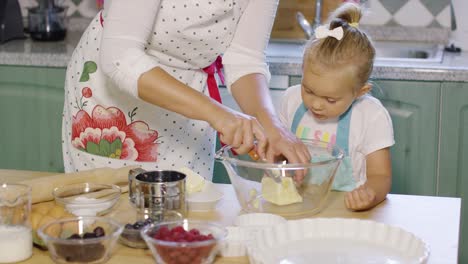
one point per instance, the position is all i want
(361, 198)
(240, 131)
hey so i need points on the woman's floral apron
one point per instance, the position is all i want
(106, 127)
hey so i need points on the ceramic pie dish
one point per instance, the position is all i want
(336, 240)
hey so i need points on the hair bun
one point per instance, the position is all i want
(350, 13)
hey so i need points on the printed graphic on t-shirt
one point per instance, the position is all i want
(317, 133)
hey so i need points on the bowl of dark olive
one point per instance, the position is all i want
(84, 239)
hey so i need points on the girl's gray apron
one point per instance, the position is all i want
(344, 180)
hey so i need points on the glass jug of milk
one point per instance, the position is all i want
(15, 227)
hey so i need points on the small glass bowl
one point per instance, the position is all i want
(195, 252)
(63, 249)
(87, 199)
(131, 235)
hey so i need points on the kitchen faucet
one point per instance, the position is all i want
(305, 25)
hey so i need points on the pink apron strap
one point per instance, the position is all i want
(213, 88)
(101, 19)
(215, 67)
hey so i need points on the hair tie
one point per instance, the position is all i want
(354, 24)
(323, 32)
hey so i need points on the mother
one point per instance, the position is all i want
(141, 88)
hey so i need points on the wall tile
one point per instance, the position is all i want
(409, 13)
(408, 16)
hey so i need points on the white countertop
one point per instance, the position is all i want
(436, 220)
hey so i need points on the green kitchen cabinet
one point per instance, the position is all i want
(453, 164)
(414, 108)
(31, 103)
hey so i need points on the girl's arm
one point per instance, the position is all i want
(378, 184)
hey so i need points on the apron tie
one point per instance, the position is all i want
(213, 68)
(101, 19)
(213, 88)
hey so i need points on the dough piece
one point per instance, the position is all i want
(283, 193)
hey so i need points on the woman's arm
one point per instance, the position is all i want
(236, 129)
(247, 78)
(378, 184)
(127, 28)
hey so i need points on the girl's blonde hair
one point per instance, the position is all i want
(355, 48)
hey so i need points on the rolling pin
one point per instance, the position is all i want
(42, 187)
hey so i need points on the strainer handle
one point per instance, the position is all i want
(219, 155)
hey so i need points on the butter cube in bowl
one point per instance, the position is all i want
(202, 195)
(274, 188)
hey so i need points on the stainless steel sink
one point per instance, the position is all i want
(386, 51)
(409, 52)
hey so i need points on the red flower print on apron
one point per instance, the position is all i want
(106, 133)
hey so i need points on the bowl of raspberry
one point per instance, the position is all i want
(184, 241)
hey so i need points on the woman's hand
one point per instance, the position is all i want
(361, 198)
(282, 144)
(240, 131)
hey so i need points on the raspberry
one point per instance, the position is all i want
(194, 232)
(178, 229)
(162, 233)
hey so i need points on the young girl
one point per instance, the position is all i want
(332, 104)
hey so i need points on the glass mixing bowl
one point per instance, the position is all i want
(263, 187)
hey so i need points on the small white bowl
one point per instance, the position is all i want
(204, 200)
(259, 220)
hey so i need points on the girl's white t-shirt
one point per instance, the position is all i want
(370, 127)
